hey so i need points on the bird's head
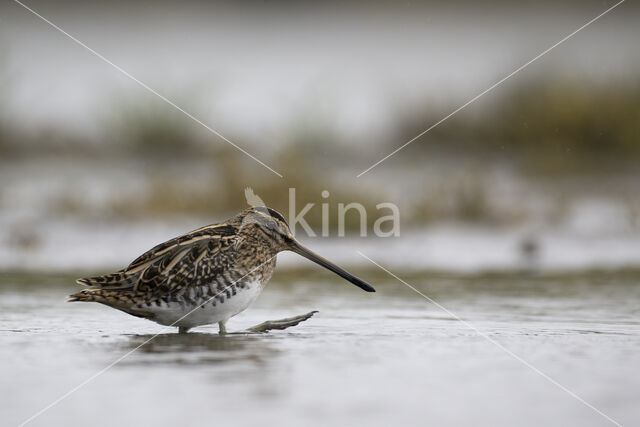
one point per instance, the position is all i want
(275, 230)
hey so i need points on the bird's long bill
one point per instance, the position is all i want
(301, 250)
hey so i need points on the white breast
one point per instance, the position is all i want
(188, 316)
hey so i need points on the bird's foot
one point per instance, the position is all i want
(279, 324)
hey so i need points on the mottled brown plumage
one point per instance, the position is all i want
(205, 276)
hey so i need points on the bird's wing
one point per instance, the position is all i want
(193, 237)
(195, 258)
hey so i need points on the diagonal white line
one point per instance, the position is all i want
(493, 86)
(147, 87)
(127, 354)
(496, 343)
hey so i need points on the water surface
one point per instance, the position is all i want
(367, 359)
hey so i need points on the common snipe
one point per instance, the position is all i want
(207, 275)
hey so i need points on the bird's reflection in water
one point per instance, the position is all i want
(200, 349)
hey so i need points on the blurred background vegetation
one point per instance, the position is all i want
(545, 126)
(319, 94)
(542, 129)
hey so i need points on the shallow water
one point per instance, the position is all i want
(367, 359)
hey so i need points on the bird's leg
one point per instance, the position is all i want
(223, 328)
(182, 329)
(280, 324)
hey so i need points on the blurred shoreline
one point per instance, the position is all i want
(453, 249)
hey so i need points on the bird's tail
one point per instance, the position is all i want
(119, 280)
(100, 288)
(111, 298)
(89, 295)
